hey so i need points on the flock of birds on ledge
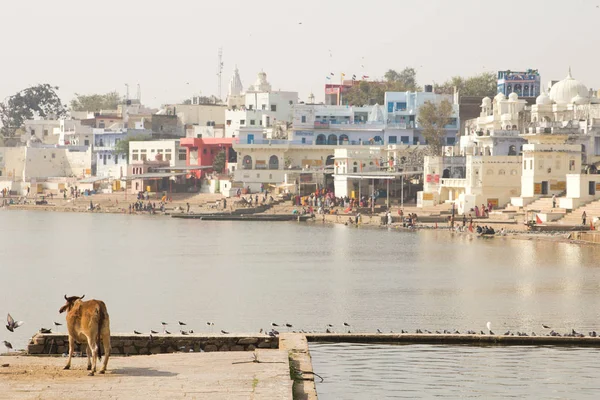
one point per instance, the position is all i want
(273, 332)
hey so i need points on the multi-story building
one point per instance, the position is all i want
(262, 107)
(523, 83)
(158, 150)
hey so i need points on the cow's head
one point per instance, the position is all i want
(70, 301)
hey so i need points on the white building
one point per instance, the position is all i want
(42, 130)
(107, 162)
(158, 150)
(262, 107)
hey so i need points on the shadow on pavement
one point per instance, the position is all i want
(141, 371)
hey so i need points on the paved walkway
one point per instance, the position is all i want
(161, 376)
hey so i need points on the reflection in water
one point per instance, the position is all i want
(245, 275)
(355, 371)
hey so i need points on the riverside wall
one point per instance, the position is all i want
(127, 344)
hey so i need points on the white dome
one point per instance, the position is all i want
(513, 96)
(543, 99)
(564, 91)
(580, 100)
(500, 97)
(486, 101)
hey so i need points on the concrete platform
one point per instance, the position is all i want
(161, 376)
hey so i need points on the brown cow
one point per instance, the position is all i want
(88, 322)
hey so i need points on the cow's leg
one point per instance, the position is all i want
(106, 345)
(94, 346)
(71, 346)
(89, 357)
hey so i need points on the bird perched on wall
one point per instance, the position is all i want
(274, 324)
(181, 323)
(137, 333)
(489, 327)
(224, 332)
(45, 330)
(12, 324)
(151, 331)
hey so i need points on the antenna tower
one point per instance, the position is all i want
(220, 71)
(139, 93)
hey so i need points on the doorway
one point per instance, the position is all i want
(545, 187)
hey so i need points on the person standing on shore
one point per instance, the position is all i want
(583, 218)
(553, 201)
(188, 207)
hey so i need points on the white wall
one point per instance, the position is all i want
(150, 149)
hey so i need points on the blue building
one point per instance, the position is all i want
(523, 83)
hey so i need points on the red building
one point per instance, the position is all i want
(202, 151)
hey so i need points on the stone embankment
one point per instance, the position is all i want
(127, 344)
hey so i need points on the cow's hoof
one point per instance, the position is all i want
(91, 374)
(67, 367)
(89, 368)
(102, 372)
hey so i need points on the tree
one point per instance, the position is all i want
(369, 93)
(122, 147)
(432, 119)
(36, 101)
(219, 162)
(96, 102)
(484, 84)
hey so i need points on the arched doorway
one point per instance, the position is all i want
(512, 150)
(332, 139)
(273, 162)
(247, 162)
(343, 139)
(378, 140)
(330, 160)
(321, 139)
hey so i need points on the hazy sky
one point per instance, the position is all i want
(96, 47)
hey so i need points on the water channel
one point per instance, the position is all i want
(243, 276)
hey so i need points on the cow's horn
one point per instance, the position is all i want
(66, 297)
(82, 297)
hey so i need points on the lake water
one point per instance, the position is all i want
(243, 276)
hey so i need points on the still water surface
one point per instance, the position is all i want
(242, 276)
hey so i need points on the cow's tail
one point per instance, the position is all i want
(101, 318)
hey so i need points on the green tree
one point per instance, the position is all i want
(369, 93)
(122, 147)
(96, 102)
(219, 162)
(432, 119)
(36, 101)
(484, 84)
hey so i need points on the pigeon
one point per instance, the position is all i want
(272, 334)
(57, 323)
(45, 330)
(151, 331)
(545, 326)
(288, 325)
(137, 333)
(167, 332)
(12, 324)
(275, 332)
(328, 330)
(190, 331)
(346, 324)
(8, 345)
(403, 331)
(210, 323)
(164, 323)
(379, 330)
(183, 332)
(181, 323)
(489, 327)
(224, 332)
(274, 324)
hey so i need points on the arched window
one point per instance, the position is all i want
(502, 172)
(321, 139)
(512, 150)
(490, 172)
(247, 162)
(446, 173)
(273, 162)
(330, 160)
(514, 127)
(332, 139)
(355, 167)
(378, 140)
(343, 139)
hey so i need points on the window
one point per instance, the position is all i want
(143, 157)
(53, 155)
(86, 142)
(45, 132)
(450, 141)
(252, 122)
(250, 106)
(415, 140)
(264, 106)
(303, 118)
(571, 165)
(168, 157)
(32, 132)
(228, 122)
(134, 157)
(203, 151)
(101, 125)
(182, 155)
(404, 139)
(273, 107)
(116, 158)
(530, 164)
(242, 122)
(524, 164)
(393, 139)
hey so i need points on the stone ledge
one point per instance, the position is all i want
(127, 344)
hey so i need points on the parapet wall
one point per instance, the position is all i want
(126, 344)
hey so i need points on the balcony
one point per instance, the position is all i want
(454, 182)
